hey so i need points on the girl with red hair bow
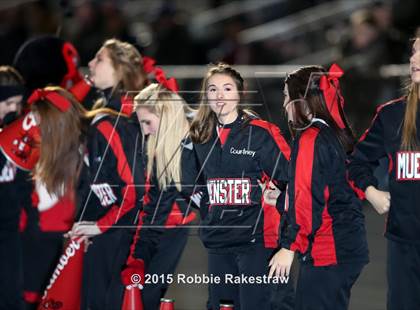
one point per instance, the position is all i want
(68, 143)
(325, 223)
(111, 196)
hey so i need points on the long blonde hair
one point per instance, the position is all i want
(165, 147)
(409, 140)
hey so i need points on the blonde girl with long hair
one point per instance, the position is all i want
(394, 134)
(165, 118)
(162, 234)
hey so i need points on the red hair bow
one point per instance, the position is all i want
(170, 84)
(60, 102)
(72, 59)
(149, 67)
(330, 87)
(148, 64)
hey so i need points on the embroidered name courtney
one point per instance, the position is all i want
(229, 191)
(408, 166)
(243, 151)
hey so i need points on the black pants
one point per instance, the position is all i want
(106, 256)
(41, 251)
(11, 272)
(326, 288)
(250, 261)
(164, 261)
(403, 272)
(283, 296)
(102, 287)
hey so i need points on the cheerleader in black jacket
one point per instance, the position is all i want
(112, 181)
(45, 60)
(394, 134)
(59, 115)
(234, 150)
(325, 223)
(116, 174)
(161, 235)
(15, 191)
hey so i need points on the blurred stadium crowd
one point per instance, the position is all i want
(363, 36)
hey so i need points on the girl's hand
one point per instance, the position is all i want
(281, 263)
(379, 200)
(84, 229)
(270, 192)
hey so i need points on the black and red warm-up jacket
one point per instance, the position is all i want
(166, 208)
(15, 194)
(383, 140)
(230, 165)
(325, 223)
(112, 182)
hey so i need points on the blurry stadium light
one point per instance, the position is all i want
(388, 71)
(202, 20)
(322, 57)
(4, 4)
(272, 71)
(303, 21)
(198, 72)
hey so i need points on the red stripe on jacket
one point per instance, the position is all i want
(378, 109)
(128, 191)
(303, 189)
(223, 134)
(276, 134)
(359, 192)
(32, 297)
(270, 213)
(271, 225)
(176, 217)
(271, 220)
(323, 247)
